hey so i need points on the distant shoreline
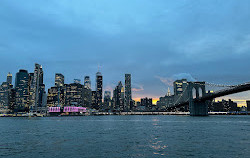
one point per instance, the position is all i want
(121, 113)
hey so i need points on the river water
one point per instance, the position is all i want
(125, 136)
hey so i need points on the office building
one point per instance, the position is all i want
(107, 101)
(128, 92)
(21, 91)
(59, 80)
(147, 103)
(118, 97)
(87, 82)
(73, 94)
(98, 90)
(9, 78)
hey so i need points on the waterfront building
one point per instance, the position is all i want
(87, 82)
(118, 97)
(128, 92)
(56, 97)
(37, 89)
(166, 101)
(59, 80)
(223, 106)
(4, 97)
(107, 100)
(9, 78)
(243, 109)
(12, 99)
(147, 103)
(21, 91)
(248, 105)
(93, 100)
(87, 96)
(30, 89)
(74, 94)
(99, 81)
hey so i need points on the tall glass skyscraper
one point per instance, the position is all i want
(98, 90)
(22, 93)
(128, 94)
(37, 88)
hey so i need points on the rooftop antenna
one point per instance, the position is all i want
(99, 67)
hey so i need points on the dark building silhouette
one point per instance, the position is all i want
(87, 92)
(118, 97)
(147, 103)
(21, 91)
(223, 106)
(248, 105)
(107, 101)
(128, 93)
(87, 97)
(93, 99)
(166, 101)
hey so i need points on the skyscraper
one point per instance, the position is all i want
(118, 97)
(74, 94)
(93, 99)
(248, 105)
(4, 96)
(180, 86)
(107, 100)
(9, 78)
(37, 88)
(59, 80)
(22, 93)
(98, 90)
(87, 82)
(128, 94)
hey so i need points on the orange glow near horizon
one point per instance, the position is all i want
(239, 102)
(154, 100)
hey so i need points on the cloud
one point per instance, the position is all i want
(187, 76)
(168, 81)
(137, 88)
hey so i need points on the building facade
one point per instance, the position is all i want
(98, 90)
(128, 92)
(22, 91)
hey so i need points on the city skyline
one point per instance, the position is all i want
(156, 45)
(86, 82)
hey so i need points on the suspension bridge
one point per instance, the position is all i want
(197, 99)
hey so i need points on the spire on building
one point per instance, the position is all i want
(169, 93)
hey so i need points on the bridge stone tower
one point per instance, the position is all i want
(197, 90)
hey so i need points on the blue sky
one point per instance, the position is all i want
(157, 41)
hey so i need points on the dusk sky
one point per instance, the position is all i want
(157, 41)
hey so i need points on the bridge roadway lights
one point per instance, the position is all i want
(198, 108)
